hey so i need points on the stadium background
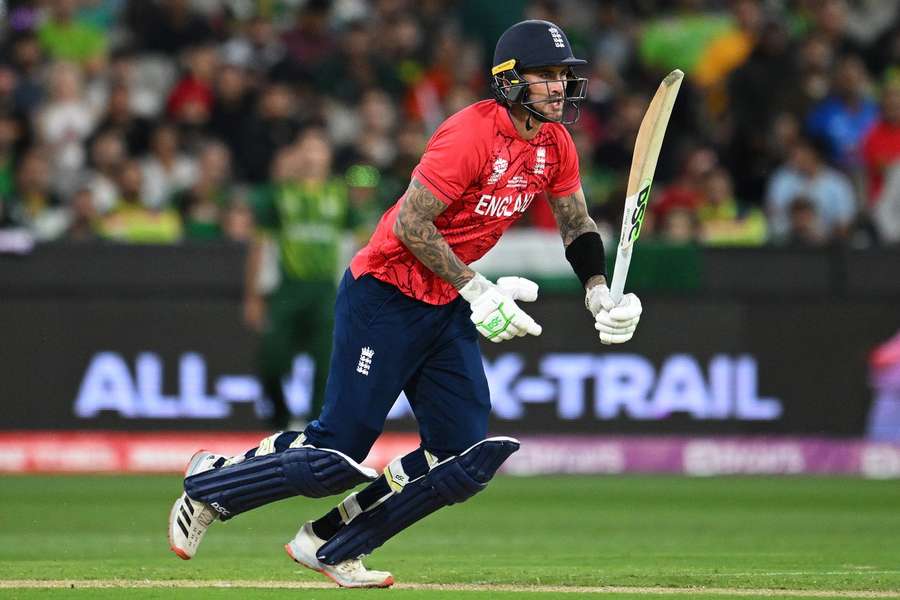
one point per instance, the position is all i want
(769, 265)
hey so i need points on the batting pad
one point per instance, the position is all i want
(303, 471)
(453, 480)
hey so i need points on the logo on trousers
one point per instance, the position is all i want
(365, 361)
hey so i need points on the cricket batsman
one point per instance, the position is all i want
(408, 314)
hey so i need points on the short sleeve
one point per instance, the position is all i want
(452, 159)
(567, 179)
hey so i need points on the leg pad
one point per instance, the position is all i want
(303, 471)
(454, 480)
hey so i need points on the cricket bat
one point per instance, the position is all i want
(643, 164)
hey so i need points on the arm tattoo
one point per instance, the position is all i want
(572, 216)
(415, 228)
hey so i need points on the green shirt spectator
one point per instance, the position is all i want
(679, 42)
(71, 40)
(135, 224)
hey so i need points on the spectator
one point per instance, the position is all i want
(828, 190)
(166, 170)
(237, 224)
(817, 60)
(65, 38)
(881, 146)
(310, 42)
(723, 220)
(375, 143)
(261, 52)
(10, 145)
(203, 205)
(613, 44)
(273, 126)
(679, 40)
(886, 214)
(107, 155)
(191, 101)
(85, 220)
(132, 221)
(758, 92)
(27, 58)
(831, 22)
(687, 190)
(64, 124)
(232, 106)
(844, 118)
(167, 26)
(120, 118)
(355, 67)
(680, 226)
(728, 51)
(35, 205)
(805, 230)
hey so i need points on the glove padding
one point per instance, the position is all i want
(494, 310)
(615, 322)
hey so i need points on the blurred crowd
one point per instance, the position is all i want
(160, 120)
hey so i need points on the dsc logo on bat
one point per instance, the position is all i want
(637, 217)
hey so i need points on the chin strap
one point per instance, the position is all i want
(528, 125)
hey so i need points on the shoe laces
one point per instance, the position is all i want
(350, 566)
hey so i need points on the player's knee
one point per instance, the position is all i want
(354, 442)
(464, 476)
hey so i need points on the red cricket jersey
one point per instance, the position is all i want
(880, 148)
(488, 176)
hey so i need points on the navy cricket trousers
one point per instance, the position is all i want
(386, 342)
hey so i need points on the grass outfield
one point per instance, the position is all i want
(559, 537)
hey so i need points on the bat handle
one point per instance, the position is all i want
(623, 260)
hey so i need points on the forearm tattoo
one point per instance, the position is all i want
(415, 228)
(572, 216)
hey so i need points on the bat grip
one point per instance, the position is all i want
(623, 260)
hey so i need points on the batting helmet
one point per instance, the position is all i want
(529, 45)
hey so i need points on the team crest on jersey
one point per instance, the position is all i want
(540, 160)
(499, 168)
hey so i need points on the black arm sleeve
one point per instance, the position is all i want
(586, 256)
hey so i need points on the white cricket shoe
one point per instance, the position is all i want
(349, 573)
(189, 519)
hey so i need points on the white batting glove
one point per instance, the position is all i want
(615, 322)
(494, 310)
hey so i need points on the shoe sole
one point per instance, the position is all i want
(383, 584)
(180, 552)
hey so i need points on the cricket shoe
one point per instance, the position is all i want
(349, 573)
(189, 519)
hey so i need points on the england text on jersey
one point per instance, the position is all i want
(488, 176)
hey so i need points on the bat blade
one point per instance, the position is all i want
(647, 147)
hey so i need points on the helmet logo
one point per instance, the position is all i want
(557, 37)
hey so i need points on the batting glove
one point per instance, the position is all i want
(615, 322)
(494, 310)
